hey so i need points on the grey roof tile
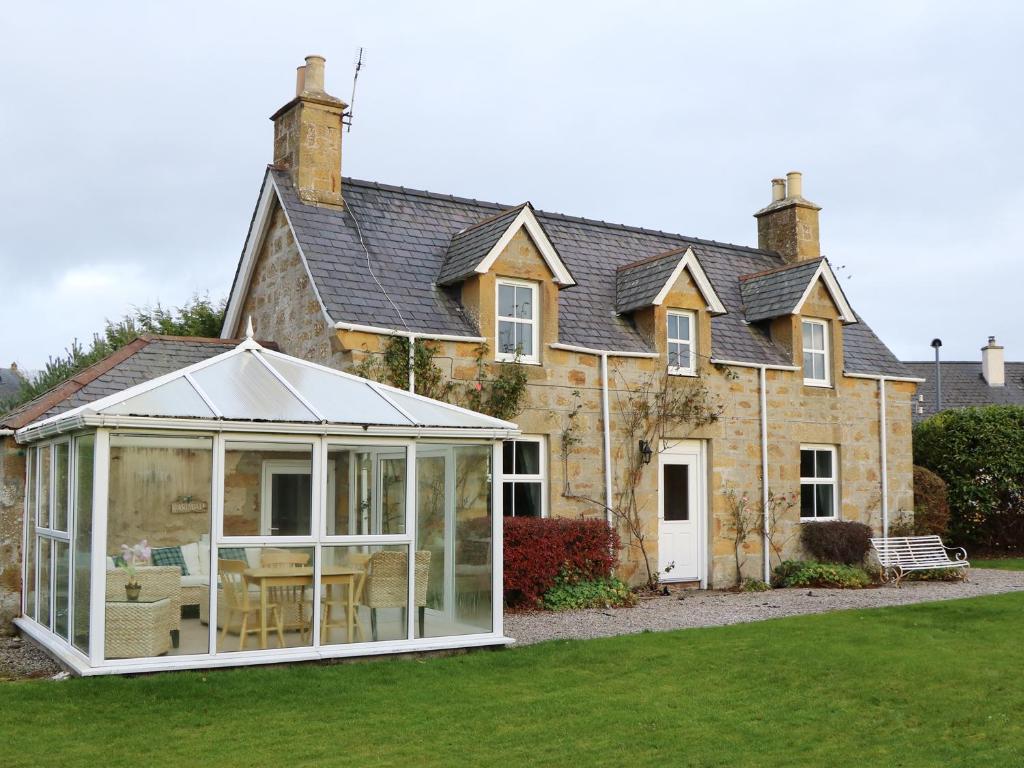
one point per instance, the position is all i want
(469, 246)
(774, 293)
(10, 383)
(637, 285)
(963, 386)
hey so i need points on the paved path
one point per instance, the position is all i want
(711, 608)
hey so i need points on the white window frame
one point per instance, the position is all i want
(541, 477)
(826, 351)
(533, 322)
(832, 481)
(680, 370)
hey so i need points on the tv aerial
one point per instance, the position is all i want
(347, 117)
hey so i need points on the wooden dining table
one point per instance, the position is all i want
(302, 576)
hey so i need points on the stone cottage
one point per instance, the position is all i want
(811, 406)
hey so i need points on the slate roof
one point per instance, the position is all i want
(10, 383)
(408, 234)
(637, 285)
(470, 246)
(139, 361)
(776, 292)
(963, 386)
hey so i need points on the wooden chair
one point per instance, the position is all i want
(334, 602)
(237, 600)
(291, 599)
(387, 585)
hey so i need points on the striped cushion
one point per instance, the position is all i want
(169, 556)
(232, 553)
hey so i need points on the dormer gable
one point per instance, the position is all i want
(648, 282)
(785, 290)
(473, 250)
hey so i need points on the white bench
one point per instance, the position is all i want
(899, 555)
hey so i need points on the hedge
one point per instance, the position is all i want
(537, 550)
(979, 452)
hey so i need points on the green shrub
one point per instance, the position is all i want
(937, 574)
(979, 452)
(570, 595)
(808, 573)
(836, 541)
(931, 504)
(754, 585)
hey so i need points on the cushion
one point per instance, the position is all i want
(191, 554)
(110, 564)
(231, 553)
(254, 556)
(195, 580)
(204, 557)
(169, 556)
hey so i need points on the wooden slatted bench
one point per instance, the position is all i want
(899, 555)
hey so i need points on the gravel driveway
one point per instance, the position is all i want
(694, 608)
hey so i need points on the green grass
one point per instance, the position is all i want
(1000, 563)
(932, 684)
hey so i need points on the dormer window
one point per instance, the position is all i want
(816, 353)
(518, 321)
(682, 354)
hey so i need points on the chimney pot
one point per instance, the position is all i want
(778, 190)
(300, 80)
(14, 366)
(993, 368)
(314, 74)
(795, 184)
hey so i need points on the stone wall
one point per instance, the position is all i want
(12, 511)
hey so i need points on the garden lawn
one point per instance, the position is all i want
(1000, 563)
(922, 685)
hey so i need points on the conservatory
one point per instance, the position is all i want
(256, 508)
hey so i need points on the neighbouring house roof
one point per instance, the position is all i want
(407, 236)
(10, 383)
(141, 360)
(249, 383)
(645, 283)
(783, 290)
(963, 386)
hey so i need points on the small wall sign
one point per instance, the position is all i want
(188, 506)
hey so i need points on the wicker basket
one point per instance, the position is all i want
(156, 581)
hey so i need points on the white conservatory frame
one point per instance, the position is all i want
(321, 436)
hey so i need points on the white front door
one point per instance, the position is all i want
(681, 510)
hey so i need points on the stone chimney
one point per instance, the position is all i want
(992, 368)
(789, 223)
(307, 137)
(14, 367)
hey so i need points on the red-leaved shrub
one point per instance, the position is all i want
(538, 549)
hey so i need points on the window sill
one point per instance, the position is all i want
(682, 372)
(819, 519)
(522, 360)
(817, 384)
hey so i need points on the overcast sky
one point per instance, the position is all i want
(135, 136)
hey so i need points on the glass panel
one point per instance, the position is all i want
(684, 357)
(823, 463)
(453, 540)
(819, 367)
(60, 486)
(807, 500)
(818, 335)
(82, 539)
(524, 303)
(673, 326)
(677, 492)
(365, 593)
(507, 337)
(158, 537)
(43, 610)
(264, 598)
(340, 400)
(526, 499)
(675, 355)
(242, 388)
(44, 487)
(429, 413)
(825, 499)
(62, 568)
(527, 457)
(267, 489)
(524, 339)
(32, 471)
(366, 490)
(175, 398)
(508, 457)
(684, 327)
(808, 365)
(806, 463)
(506, 300)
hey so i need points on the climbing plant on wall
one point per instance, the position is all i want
(391, 366)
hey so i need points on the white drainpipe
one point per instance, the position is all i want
(607, 440)
(883, 437)
(767, 542)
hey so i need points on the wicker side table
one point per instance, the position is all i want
(137, 628)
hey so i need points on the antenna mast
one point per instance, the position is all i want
(347, 118)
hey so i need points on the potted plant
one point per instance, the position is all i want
(131, 558)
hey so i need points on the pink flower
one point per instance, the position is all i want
(479, 386)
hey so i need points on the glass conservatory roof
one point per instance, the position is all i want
(254, 384)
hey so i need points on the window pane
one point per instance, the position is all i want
(824, 495)
(684, 356)
(823, 463)
(365, 593)
(675, 355)
(30, 524)
(84, 448)
(806, 463)
(807, 500)
(43, 610)
(44, 487)
(524, 302)
(818, 335)
(673, 326)
(527, 453)
(684, 327)
(524, 339)
(507, 337)
(808, 365)
(61, 568)
(506, 300)
(60, 486)
(366, 490)
(267, 489)
(264, 598)
(508, 457)
(677, 492)
(526, 499)
(507, 500)
(819, 367)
